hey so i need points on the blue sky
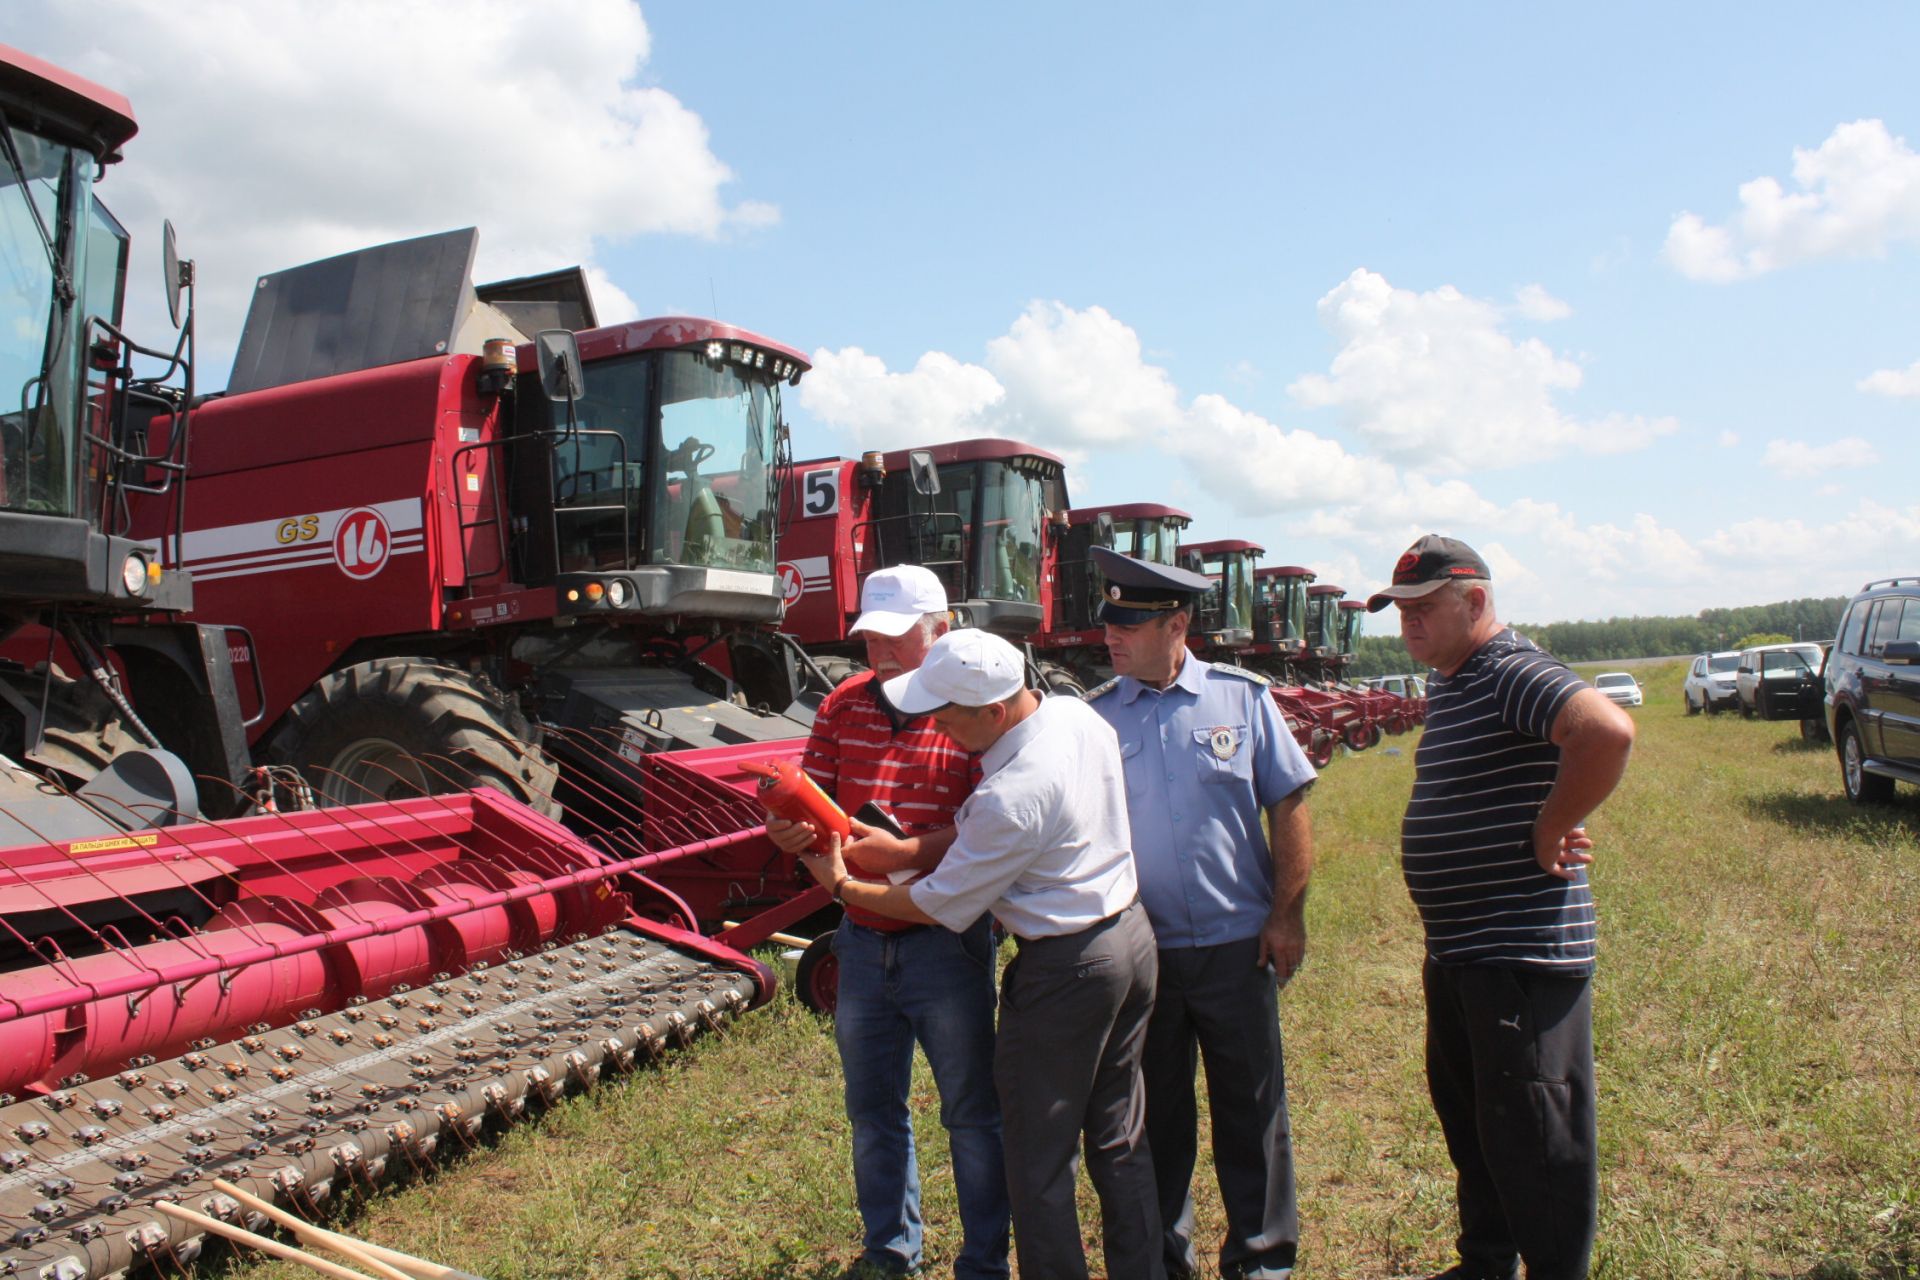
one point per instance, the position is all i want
(1328, 278)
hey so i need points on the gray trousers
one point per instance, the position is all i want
(1215, 1005)
(1073, 1020)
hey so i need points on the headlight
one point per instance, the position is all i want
(133, 574)
(617, 593)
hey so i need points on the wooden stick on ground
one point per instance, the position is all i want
(308, 1234)
(416, 1268)
(261, 1243)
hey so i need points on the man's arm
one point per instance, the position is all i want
(883, 853)
(1283, 938)
(1595, 738)
(891, 900)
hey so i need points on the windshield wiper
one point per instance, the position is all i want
(62, 283)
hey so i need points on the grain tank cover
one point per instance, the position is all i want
(385, 305)
(552, 300)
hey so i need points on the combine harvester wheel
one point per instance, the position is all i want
(399, 727)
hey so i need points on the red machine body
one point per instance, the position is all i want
(985, 515)
(367, 513)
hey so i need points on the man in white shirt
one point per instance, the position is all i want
(1043, 843)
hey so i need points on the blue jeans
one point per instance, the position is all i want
(936, 987)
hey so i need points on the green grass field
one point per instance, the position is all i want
(1758, 1032)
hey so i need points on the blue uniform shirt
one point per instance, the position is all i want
(1202, 759)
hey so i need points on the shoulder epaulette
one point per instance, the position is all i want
(1100, 691)
(1243, 672)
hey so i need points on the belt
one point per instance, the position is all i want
(1102, 923)
(901, 932)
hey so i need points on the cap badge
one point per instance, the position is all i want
(1222, 743)
(1113, 593)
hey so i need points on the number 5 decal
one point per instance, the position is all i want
(821, 496)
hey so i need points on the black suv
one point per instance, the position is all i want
(1873, 689)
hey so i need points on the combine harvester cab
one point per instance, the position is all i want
(296, 1001)
(1074, 645)
(986, 516)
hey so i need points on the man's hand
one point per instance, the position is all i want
(790, 837)
(1562, 855)
(829, 868)
(878, 852)
(1283, 944)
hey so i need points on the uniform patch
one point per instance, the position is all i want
(1223, 743)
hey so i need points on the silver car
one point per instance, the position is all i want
(1711, 682)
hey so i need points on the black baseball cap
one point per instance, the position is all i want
(1428, 565)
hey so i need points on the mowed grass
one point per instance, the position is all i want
(1758, 1030)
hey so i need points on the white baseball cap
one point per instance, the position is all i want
(893, 600)
(967, 668)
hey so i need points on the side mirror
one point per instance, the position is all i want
(559, 354)
(926, 476)
(170, 265)
(1903, 652)
(1103, 529)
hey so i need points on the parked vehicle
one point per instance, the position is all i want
(1710, 685)
(1779, 681)
(1872, 690)
(1621, 687)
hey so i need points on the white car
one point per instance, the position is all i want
(1783, 666)
(1711, 682)
(1621, 687)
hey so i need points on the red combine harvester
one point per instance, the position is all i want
(1279, 621)
(539, 563)
(985, 515)
(1224, 625)
(298, 1001)
(1072, 651)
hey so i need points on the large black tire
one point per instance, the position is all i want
(397, 727)
(816, 978)
(839, 669)
(1055, 678)
(1861, 787)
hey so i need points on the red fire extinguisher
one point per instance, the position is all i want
(787, 792)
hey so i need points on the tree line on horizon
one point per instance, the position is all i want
(1812, 618)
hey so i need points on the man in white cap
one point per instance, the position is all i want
(900, 981)
(1043, 844)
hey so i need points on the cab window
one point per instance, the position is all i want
(1853, 630)
(1886, 625)
(1909, 622)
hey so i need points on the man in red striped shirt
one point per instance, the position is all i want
(899, 982)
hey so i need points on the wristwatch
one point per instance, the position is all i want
(839, 889)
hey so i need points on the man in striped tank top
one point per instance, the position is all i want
(904, 982)
(1517, 752)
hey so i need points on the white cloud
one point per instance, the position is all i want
(1893, 382)
(940, 399)
(1857, 194)
(1433, 381)
(1729, 439)
(1796, 457)
(1061, 378)
(274, 132)
(1533, 302)
(1078, 378)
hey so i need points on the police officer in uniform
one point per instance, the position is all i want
(1206, 754)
